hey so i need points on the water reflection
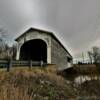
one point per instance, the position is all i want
(82, 79)
(79, 79)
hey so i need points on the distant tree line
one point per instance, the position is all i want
(94, 56)
(7, 52)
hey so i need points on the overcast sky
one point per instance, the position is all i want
(75, 22)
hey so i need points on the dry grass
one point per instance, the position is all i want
(34, 84)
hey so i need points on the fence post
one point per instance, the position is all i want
(41, 63)
(9, 65)
(30, 66)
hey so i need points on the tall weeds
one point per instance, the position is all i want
(35, 84)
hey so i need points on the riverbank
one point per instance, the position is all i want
(46, 84)
(86, 79)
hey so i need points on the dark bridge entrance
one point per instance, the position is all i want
(35, 50)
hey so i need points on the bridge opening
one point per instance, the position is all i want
(35, 50)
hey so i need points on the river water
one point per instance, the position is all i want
(79, 79)
(83, 78)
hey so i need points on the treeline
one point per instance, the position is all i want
(7, 52)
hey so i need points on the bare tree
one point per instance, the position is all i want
(4, 48)
(94, 55)
(90, 56)
(13, 51)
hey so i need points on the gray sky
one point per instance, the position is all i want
(76, 22)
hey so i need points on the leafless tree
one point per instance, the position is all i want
(90, 56)
(13, 51)
(6, 52)
(94, 55)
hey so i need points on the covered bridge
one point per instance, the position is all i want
(40, 45)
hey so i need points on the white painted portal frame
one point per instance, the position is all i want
(35, 35)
